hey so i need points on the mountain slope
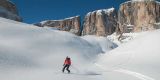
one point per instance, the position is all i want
(138, 58)
(28, 52)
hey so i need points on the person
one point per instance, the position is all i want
(66, 64)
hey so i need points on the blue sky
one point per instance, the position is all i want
(33, 11)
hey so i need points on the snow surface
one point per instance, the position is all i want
(28, 52)
(139, 58)
(126, 37)
(103, 42)
(100, 11)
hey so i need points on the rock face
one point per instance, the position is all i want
(142, 14)
(100, 22)
(71, 24)
(8, 10)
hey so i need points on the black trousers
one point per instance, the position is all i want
(66, 67)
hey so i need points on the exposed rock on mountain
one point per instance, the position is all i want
(71, 24)
(138, 15)
(8, 10)
(100, 22)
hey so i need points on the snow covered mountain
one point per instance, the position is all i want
(39, 52)
(28, 52)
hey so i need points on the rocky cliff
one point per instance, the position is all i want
(100, 22)
(138, 15)
(8, 10)
(71, 24)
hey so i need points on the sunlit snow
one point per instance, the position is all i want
(28, 52)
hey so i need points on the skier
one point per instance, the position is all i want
(66, 64)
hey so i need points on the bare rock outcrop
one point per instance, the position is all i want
(138, 15)
(100, 22)
(8, 10)
(71, 24)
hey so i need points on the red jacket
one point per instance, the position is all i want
(67, 61)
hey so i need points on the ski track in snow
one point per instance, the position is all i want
(125, 71)
(136, 74)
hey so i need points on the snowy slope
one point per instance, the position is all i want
(28, 52)
(30, 40)
(126, 37)
(138, 58)
(105, 44)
